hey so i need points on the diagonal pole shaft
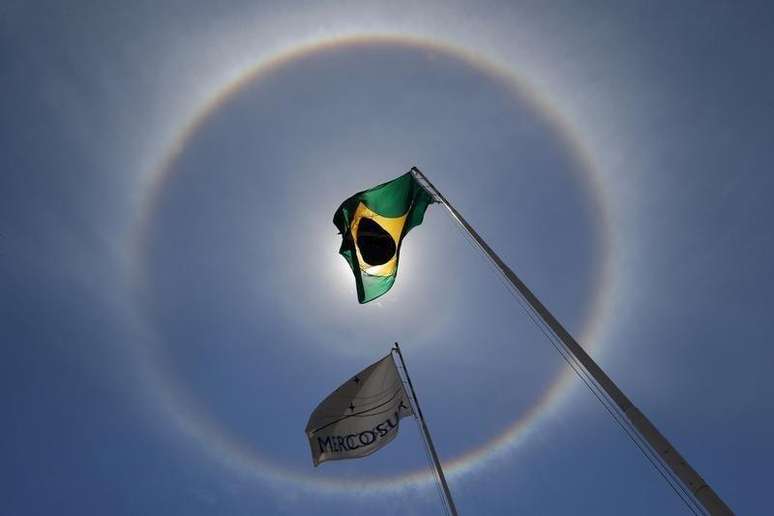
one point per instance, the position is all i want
(663, 449)
(428, 439)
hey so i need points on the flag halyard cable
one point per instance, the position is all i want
(610, 407)
(426, 435)
(686, 478)
(426, 450)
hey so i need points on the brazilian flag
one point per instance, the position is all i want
(373, 224)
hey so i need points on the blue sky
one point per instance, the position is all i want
(174, 308)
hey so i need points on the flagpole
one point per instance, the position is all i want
(661, 447)
(426, 435)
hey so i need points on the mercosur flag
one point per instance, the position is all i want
(373, 224)
(361, 416)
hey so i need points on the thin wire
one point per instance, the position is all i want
(615, 412)
(426, 449)
(428, 457)
(592, 385)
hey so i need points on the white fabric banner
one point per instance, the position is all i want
(361, 416)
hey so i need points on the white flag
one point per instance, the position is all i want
(361, 416)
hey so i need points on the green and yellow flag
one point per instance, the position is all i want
(373, 224)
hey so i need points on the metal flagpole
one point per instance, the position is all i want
(661, 447)
(428, 439)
